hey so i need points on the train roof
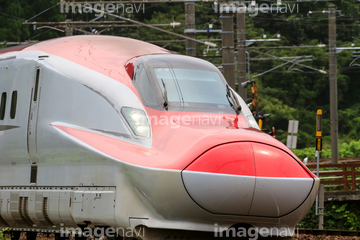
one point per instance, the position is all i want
(105, 54)
(92, 45)
(15, 48)
(69, 46)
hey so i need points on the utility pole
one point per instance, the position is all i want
(227, 35)
(241, 53)
(333, 85)
(190, 24)
(69, 28)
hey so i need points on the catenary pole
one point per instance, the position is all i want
(190, 24)
(227, 35)
(333, 85)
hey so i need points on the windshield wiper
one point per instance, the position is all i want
(234, 103)
(166, 103)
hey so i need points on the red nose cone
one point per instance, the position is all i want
(235, 159)
(247, 178)
(249, 159)
(273, 162)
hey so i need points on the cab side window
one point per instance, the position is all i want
(144, 86)
(13, 104)
(2, 106)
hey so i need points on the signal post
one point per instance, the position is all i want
(319, 204)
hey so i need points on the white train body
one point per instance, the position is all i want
(68, 156)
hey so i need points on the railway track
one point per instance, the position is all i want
(317, 234)
(303, 234)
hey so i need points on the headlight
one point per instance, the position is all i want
(137, 120)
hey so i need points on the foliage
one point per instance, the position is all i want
(349, 120)
(351, 149)
(15, 13)
(337, 215)
(2, 234)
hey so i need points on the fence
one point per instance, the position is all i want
(340, 176)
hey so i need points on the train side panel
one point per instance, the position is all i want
(70, 176)
(62, 160)
(16, 80)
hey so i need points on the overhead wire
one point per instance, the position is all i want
(42, 12)
(7, 15)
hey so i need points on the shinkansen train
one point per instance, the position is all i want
(101, 131)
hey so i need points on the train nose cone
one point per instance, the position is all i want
(247, 178)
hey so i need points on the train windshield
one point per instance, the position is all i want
(182, 83)
(191, 86)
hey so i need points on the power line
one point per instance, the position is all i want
(7, 15)
(72, 22)
(288, 47)
(42, 12)
(296, 63)
(155, 28)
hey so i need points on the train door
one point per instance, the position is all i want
(33, 115)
